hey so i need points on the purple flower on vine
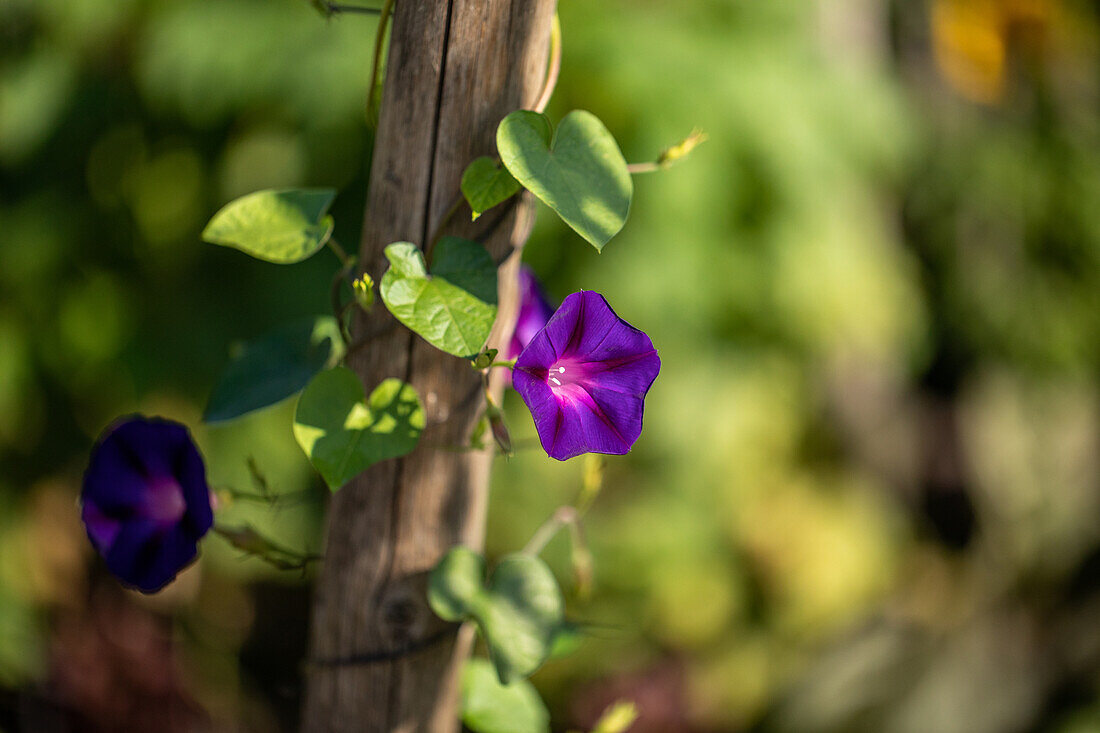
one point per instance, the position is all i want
(584, 377)
(145, 501)
(534, 311)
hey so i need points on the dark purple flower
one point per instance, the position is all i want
(534, 311)
(584, 377)
(145, 501)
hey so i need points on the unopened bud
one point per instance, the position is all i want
(363, 288)
(500, 431)
(484, 359)
(681, 149)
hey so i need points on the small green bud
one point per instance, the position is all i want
(363, 288)
(484, 359)
(681, 149)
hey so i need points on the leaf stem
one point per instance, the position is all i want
(341, 8)
(384, 16)
(553, 71)
(339, 310)
(342, 255)
(509, 364)
(650, 167)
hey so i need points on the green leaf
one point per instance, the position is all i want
(490, 707)
(579, 172)
(485, 184)
(273, 367)
(343, 433)
(567, 640)
(454, 307)
(456, 584)
(283, 227)
(520, 611)
(523, 617)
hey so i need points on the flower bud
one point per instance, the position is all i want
(363, 288)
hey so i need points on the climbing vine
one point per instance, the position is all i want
(581, 369)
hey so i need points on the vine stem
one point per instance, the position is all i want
(362, 342)
(564, 515)
(554, 70)
(438, 234)
(384, 15)
(643, 168)
(341, 8)
(581, 556)
(341, 254)
(265, 548)
(347, 263)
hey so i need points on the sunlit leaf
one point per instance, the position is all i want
(454, 307)
(578, 171)
(343, 433)
(490, 707)
(283, 227)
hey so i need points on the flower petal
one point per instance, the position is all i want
(581, 324)
(147, 557)
(584, 377)
(534, 311)
(145, 500)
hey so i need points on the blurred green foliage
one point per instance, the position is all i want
(866, 492)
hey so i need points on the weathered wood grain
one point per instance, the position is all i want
(380, 660)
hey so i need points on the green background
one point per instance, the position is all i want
(867, 493)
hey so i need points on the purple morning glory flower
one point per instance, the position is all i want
(584, 377)
(534, 311)
(145, 501)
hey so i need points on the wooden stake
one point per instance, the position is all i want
(380, 661)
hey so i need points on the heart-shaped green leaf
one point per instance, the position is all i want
(485, 184)
(454, 307)
(579, 172)
(274, 367)
(456, 584)
(283, 227)
(519, 611)
(490, 707)
(343, 433)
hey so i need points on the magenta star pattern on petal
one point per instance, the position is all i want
(585, 377)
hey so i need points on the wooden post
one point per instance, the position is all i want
(380, 660)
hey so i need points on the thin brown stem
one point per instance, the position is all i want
(554, 69)
(643, 168)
